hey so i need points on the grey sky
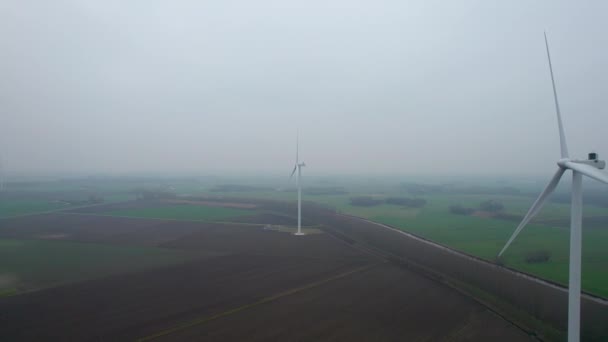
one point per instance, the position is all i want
(374, 86)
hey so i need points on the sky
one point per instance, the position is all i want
(374, 87)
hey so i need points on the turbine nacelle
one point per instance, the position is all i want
(591, 161)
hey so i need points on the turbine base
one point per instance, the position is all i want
(299, 234)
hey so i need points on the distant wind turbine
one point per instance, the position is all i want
(580, 168)
(298, 166)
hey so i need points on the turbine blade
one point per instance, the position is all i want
(588, 171)
(562, 136)
(294, 171)
(535, 207)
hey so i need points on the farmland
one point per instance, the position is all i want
(21, 207)
(37, 264)
(485, 236)
(476, 235)
(205, 278)
(196, 263)
(330, 313)
(182, 212)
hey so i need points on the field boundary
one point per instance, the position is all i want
(262, 301)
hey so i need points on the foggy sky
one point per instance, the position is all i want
(400, 87)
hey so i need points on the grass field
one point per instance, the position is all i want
(10, 208)
(34, 264)
(183, 212)
(22, 207)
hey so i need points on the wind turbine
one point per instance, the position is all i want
(298, 166)
(580, 168)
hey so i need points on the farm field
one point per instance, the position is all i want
(484, 237)
(479, 236)
(41, 251)
(19, 203)
(85, 246)
(363, 306)
(228, 266)
(22, 207)
(36, 264)
(182, 212)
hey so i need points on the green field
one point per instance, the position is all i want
(11, 208)
(33, 204)
(183, 212)
(23, 207)
(35, 264)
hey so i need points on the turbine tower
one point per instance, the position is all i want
(590, 168)
(298, 166)
(1, 175)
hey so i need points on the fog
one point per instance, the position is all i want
(374, 87)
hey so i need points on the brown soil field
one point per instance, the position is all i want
(383, 303)
(129, 306)
(95, 228)
(234, 237)
(317, 287)
(257, 241)
(269, 218)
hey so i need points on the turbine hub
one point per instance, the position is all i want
(562, 163)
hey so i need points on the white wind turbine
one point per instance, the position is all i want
(580, 168)
(298, 166)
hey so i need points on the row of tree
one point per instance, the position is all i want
(491, 206)
(369, 201)
(150, 194)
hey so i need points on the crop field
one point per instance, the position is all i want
(194, 265)
(40, 199)
(159, 279)
(22, 207)
(36, 264)
(364, 306)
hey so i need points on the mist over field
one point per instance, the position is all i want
(383, 87)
